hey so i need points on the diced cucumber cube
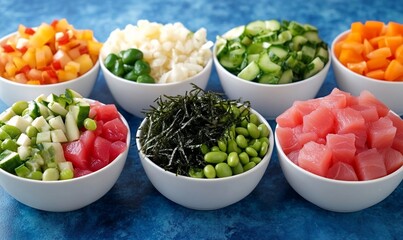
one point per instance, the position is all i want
(55, 151)
(24, 152)
(7, 115)
(22, 171)
(23, 140)
(3, 135)
(50, 174)
(286, 77)
(57, 108)
(314, 67)
(9, 160)
(20, 122)
(42, 137)
(70, 93)
(57, 123)
(58, 136)
(13, 131)
(72, 131)
(41, 124)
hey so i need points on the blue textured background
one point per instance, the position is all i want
(133, 209)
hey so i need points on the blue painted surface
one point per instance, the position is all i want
(134, 209)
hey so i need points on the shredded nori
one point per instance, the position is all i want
(177, 127)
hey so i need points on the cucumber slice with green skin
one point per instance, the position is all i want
(286, 77)
(277, 53)
(231, 62)
(269, 78)
(55, 150)
(58, 136)
(314, 67)
(9, 160)
(255, 28)
(266, 65)
(18, 122)
(250, 72)
(234, 33)
(312, 37)
(272, 25)
(57, 108)
(22, 171)
(4, 135)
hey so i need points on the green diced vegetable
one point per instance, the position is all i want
(276, 48)
(9, 160)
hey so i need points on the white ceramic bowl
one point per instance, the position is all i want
(269, 99)
(135, 97)
(337, 195)
(65, 195)
(388, 92)
(11, 92)
(205, 194)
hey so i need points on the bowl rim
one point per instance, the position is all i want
(336, 61)
(329, 180)
(266, 158)
(95, 67)
(72, 180)
(206, 68)
(311, 78)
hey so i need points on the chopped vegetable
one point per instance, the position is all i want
(373, 49)
(54, 137)
(272, 52)
(50, 53)
(129, 64)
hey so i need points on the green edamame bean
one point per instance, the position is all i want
(118, 69)
(251, 151)
(204, 149)
(110, 61)
(233, 146)
(244, 111)
(223, 170)
(241, 141)
(237, 169)
(209, 171)
(242, 131)
(253, 130)
(31, 131)
(264, 130)
(244, 123)
(249, 166)
(215, 149)
(256, 160)
(196, 173)
(9, 144)
(253, 118)
(264, 139)
(243, 158)
(142, 67)
(215, 157)
(50, 174)
(222, 145)
(233, 159)
(263, 149)
(13, 131)
(132, 76)
(235, 110)
(131, 55)
(19, 107)
(255, 144)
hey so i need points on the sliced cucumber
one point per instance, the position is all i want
(250, 72)
(286, 77)
(57, 108)
(255, 28)
(58, 136)
(314, 67)
(267, 65)
(23, 140)
(7, 115)
(234, 33)
(272, 25)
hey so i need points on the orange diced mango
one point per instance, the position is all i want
(377, 63)
(85, 63)
(349, 56)
(384, 52)
(359, 67)
(376, 74)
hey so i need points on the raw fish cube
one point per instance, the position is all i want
(370, 164)
(393, 159)
(290, 118)
(342, 146)
(342, 171)
(381, 133)
(287, 140)
(315, 158)
(320, 121)
(367, 98)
